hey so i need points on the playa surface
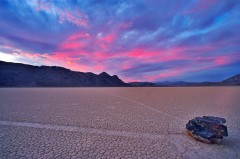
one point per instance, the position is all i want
(114, 122)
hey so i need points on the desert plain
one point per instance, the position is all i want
(115, 122)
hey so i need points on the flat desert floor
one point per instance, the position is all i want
(114, 122)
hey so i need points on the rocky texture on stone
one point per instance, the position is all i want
(207, 129)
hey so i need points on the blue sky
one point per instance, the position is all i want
(140, 40)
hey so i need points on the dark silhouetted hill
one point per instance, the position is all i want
(22, 75)
(234, 80)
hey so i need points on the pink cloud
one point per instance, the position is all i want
(105, 41)
(55, 59)
(155, 55)
(74, 44)
(224, 59)
(200, 63)
(78, 36)
(43, 6)
(164, 75)
(127, 64)
(201, 5)
(77, 18)
(214, 62)
(71, 45)
(139, 53)
(131, 79)
(102, 56)
(6, 46)
(109, 38)
(221, 61)
(99, 68)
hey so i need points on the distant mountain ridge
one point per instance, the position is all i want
(142, 84)
(232, 81)
(22, 75)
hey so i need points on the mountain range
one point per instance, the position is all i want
(232, 81)
(23, 75)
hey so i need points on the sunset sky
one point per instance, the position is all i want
(138, 40)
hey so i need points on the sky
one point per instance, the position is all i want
(138, 40)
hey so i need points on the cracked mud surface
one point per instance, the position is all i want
(114, 122)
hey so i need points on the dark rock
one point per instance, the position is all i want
(207, 129)
(216, 119)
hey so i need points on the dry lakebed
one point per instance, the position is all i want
(113, 123)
